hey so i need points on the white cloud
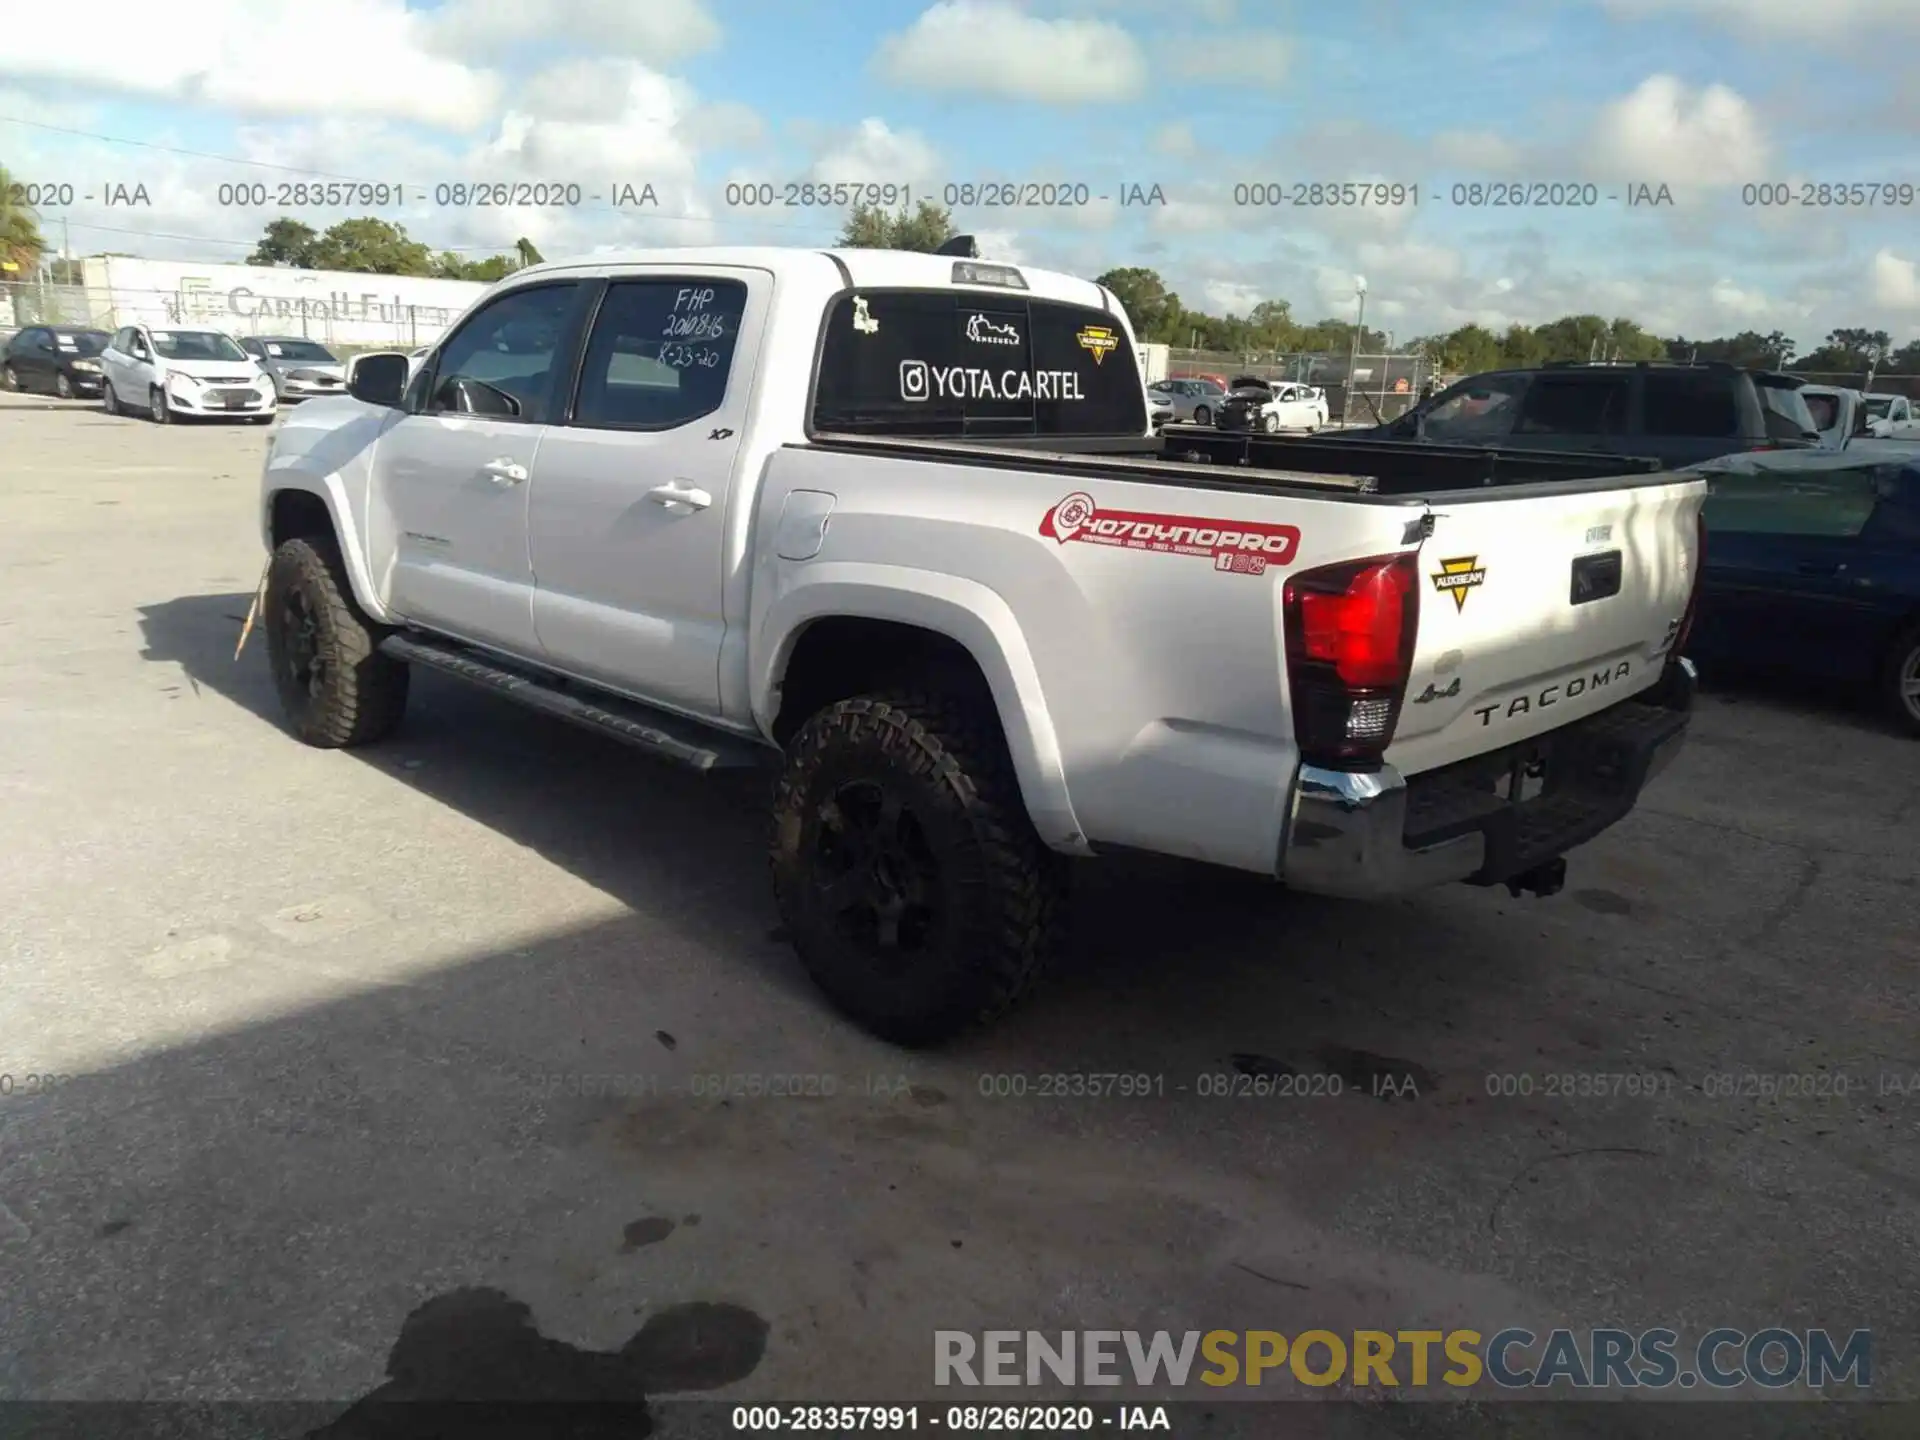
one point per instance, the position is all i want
(1257, 58)
(1001, 245)
(346, 57)
(1177, 140)
(992, 47)
(1840, 23)
(1233, 297)
(1896, 282)
(658, 32)
(1665, 132)
(874, 153)
(1475, 150)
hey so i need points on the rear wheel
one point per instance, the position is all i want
(157, 406)
(1900, 681)
(912, 884)
(336, 687)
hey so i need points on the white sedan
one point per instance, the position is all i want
(166, 373)
(1271, 407)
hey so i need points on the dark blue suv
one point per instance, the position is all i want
(1677, 414)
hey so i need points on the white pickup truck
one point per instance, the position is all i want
(895, 524)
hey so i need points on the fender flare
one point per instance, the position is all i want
(964, 611)
(332, 493)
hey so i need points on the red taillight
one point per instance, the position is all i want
(1350, 631)
(1699, 579)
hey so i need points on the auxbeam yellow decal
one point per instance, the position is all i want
(1097, 340)
(1457, 577)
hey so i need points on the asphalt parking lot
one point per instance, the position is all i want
(313, 1006)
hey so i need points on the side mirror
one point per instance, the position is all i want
(378, 378)
(466, 396)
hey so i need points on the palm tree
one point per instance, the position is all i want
(20, 243)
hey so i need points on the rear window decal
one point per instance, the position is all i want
(984, 330)
(863, 323)
(1237, 547)
(1097, 340)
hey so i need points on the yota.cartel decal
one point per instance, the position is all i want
(1457, 576)
(1236, 547)
(1097, 340)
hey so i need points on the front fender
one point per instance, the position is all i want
(965, 612)
(326, 450)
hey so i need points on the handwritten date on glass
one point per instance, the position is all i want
(693, 330)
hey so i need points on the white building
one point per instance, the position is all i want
(332, 306)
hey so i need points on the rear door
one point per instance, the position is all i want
(1690, 415)
(630, 497)
(1542, 605)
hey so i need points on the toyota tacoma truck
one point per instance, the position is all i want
(897, 526)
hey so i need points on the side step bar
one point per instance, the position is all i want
(671, 737)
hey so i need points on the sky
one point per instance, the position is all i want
(1427, 110)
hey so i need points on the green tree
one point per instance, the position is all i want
(924, 228)
(1466, 351)
(525, 254)
(371, 246)
(286, 242)
(1153, 309)
(1749, 349)
(21, 245)
(1905, 360)
(1848, 350)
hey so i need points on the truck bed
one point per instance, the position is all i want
(1275, 464)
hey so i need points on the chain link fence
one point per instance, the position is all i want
(1382, 386)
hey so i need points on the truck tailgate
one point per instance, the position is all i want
(1539, 608)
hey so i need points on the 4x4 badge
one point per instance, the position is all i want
(1456, 577)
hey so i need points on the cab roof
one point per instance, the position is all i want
(835, 268)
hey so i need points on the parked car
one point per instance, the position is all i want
(299, 368)
(1194, 401)
(168, 373)
(1256, 404)
(59, 360)
(953, 595)
(1813, 569)
(1681, 414)
(1892, 415)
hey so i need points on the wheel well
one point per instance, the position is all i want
(300, 515)
(848, 655)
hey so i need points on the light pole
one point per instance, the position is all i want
(1353, 348)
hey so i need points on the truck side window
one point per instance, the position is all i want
(509, 346)
(1830, 503)
(1483, 408)
(1692, 404)
(1574, 405)
(660, 353)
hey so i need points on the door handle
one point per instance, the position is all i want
(677, 493)
(504, 472)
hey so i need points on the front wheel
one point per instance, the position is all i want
(906, 872)
(1270, 423)
(336, 687)
(62, 386)
(1202, 415)
(1900, 681)
(10, 378)
(157, 407)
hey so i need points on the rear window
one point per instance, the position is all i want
(947, 363)
(1787, 414)
(1825, 410)
(1699, 405)
(1568, 405)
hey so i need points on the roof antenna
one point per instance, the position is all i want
(962, 245)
